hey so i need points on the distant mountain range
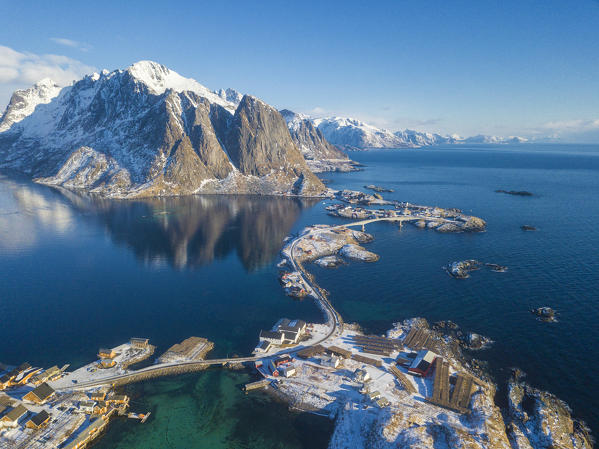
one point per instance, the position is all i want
(147, 131)
(348, 133)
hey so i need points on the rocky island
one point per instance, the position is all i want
(545, 314)
(528, 228)
(378, 189)
(514, 192)
(461, 270)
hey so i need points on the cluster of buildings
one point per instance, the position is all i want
(14, 411)
(19, 375)
(125, 355)
(32, 399)
(283, 366)
(284, 333)
(100, 403)
(382, 369)
(293, 284)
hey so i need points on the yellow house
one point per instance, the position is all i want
(40, 394)
(38, 421)
(104, 353)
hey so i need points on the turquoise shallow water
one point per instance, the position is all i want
(209, 410)
(79, 273)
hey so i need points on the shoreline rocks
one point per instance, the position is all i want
(330, 262)
(537, 418)
(356, 252)
(467, 340)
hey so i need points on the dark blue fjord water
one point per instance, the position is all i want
(78, 273)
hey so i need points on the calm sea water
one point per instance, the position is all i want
(79, 273)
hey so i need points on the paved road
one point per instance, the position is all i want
(401, 218)
(333, 319)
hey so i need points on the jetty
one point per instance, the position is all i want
(259, 384)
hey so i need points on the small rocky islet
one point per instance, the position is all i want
(545, 314)
(528, 228)
(378, 189)
(514, 192)
(461, 270)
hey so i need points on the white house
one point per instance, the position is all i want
(332, 361)
(287, 370)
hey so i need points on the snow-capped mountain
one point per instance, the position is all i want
(320, 155)
(350, 133)
(481, 138)
(24, 102)
(230, 95)
(147, 131)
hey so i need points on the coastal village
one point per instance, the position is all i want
(57, 408)
(411, 387)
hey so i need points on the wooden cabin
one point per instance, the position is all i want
(38, 421)
(12, 418)
(45, 376)
(104, 353)
(40, 394)
(139, 343)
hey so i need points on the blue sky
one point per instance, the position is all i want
(494, 67)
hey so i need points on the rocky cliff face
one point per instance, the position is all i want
(147, 131)
(537, 419)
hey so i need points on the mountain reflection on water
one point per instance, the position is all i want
(185, 232)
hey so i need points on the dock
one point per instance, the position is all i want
(256, 385)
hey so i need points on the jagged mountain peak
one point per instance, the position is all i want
(230, 95)
(159, 78)
(24, 101)
(46, 82)
(148, 131)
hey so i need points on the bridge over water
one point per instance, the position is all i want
(334, 320)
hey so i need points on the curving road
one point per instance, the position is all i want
(334, 319)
